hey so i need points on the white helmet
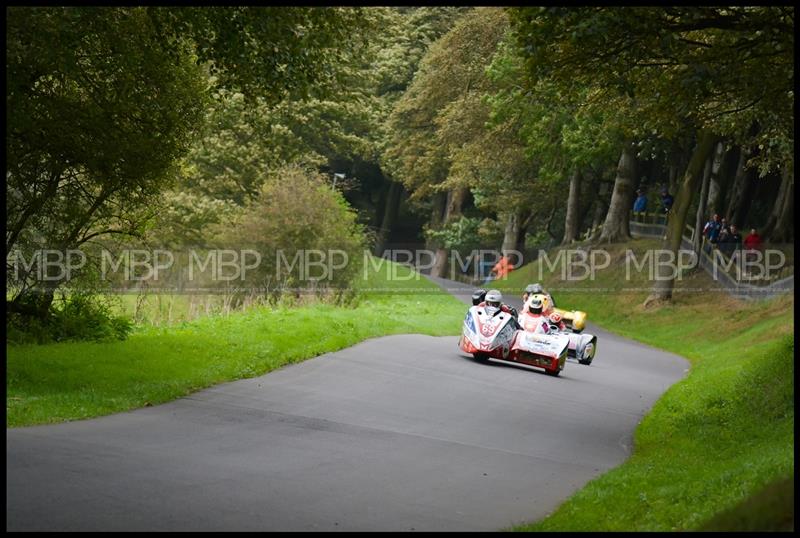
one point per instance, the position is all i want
(534, 288)
(494, 298)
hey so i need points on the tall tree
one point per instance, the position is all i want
(272, 52)
(680, 209)
(715, 182)
(407, 34)
(779, 226)
(739, 188)
(615, 227)
(702, 66)
(571, 222)
(88, 145)
(701, 208)
(446, 91)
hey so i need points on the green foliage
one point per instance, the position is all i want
(247, 138)
(715, 438)
(242, 140)
(187, 215)
(468, 121)
(76, 380)
(441, 110)
(89, 146)
(297, 210)
(704, 67)
(409, 32)
(78, 317)
(461, 235)
(272, 52)
(771, 509)
(557, 133)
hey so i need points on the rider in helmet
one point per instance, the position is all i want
(530, 289)
(534, 289)
(537, 320)
(478, 296)
(493, 298)
(535, 306)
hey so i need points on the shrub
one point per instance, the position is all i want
(78, 317)
(297, 210)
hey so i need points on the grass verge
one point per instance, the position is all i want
(714, 450)
(76, 380)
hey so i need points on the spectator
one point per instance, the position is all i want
(501, 269)
(666, 200)
(753, 241)
(752, 244)
(640, 205)
(731, 241)
(724, 230)
(712, 228)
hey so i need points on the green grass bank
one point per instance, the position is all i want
(716, 452)
(76, 380)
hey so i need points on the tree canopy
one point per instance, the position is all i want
(536, 124)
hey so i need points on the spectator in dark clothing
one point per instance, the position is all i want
(712, 228)
(724, 230)
(731, 241)
(640, 205)
(666, 200)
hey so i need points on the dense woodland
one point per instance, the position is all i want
(456, 127)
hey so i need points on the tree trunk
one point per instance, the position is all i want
(716, 191)
(380, 205)
(588, 196)
(391, 208)
(726, 176)
(600, 208)
(521, 235)
(36, 301)
(571, 221)
(616, 226)
(35, 205)
(676, 167)
(437, 215)
(714, 187)
(548, 222)
(680, 209)
(455, 200)
(737, 195)
(701, 207)
(511, 235)
(672, 180)
(525, 220)
(779, 225)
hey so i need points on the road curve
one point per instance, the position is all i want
(395, 433)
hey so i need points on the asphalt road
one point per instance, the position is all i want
(395, 433)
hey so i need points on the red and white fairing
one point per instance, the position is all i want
(581, 346)
(488, 331)
(491, 333)
(540, 344)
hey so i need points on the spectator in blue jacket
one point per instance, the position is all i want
(640, 205)
(666, 200)
(712, 229)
